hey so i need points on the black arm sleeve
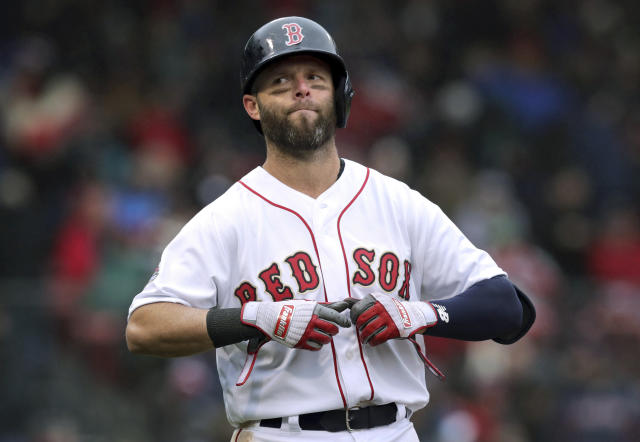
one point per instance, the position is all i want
(491, 309)
(224, 327)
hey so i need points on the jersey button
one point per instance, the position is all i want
(349, 354)
(324, 205)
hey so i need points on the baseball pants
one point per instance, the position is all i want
(399, 431)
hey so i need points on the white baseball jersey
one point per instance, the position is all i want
(264, 241)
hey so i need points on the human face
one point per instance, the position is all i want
(295, 104)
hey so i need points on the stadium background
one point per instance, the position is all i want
(119, 119)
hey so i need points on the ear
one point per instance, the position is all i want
(250, 104)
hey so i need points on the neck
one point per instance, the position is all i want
(311, 175)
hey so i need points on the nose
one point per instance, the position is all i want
(302, 87)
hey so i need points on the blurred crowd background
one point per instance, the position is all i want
(120, 119)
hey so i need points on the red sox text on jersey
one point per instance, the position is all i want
(305, 273)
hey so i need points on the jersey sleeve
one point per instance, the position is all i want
(448, 262)
(188, 267)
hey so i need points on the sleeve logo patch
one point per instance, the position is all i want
(283, 322)
(442, 312)
(156, 272)
(404, 315)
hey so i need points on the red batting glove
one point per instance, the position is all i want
(380, 317)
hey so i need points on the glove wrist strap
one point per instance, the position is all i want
(250, 312)
(428, 313)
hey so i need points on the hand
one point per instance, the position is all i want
(295, 323)
(380, 317)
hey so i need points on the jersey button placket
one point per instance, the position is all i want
(323, 220)
(320, 216)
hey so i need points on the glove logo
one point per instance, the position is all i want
(283, 322)
(294, 33)
(404, 315)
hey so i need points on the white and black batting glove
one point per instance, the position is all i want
(296, 323)
(380, 317)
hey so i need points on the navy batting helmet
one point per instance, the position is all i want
(296, 35)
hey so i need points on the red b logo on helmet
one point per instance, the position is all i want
(294, 33)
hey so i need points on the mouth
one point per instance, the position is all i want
(303, 115)
(303, 109)
(303, 112)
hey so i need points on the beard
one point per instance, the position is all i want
(298, 139)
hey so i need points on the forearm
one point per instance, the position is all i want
(489, 309)
(168, 329)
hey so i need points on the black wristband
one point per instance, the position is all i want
(224, 327)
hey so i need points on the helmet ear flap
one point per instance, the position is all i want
(344, 93)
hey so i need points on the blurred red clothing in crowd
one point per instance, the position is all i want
(615, 254)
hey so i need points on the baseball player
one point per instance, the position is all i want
(314, 277)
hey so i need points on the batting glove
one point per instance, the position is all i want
(380, 317)
(296, 323)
